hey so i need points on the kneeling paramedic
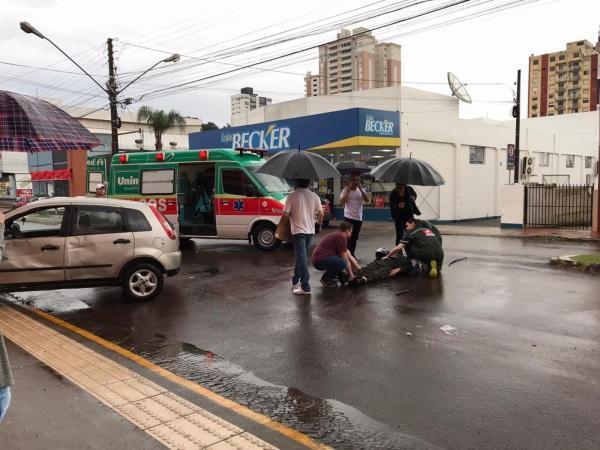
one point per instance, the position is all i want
(421, 245)
(333, 256)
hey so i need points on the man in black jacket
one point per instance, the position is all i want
(402, 207)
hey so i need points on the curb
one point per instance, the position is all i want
(568, 262)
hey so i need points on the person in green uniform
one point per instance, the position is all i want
(421, 245)
(422, 223)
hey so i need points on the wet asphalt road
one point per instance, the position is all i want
(515, 365)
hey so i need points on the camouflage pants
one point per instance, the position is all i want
(426, 254)
(380, 269)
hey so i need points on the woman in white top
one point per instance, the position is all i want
(352, 198)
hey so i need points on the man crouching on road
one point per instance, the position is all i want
(333, 256)
(5, 375)
(421, 245)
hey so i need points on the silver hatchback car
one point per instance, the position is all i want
(86, 242)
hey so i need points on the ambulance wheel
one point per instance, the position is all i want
(264, 238)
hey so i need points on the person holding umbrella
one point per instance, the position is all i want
(302, 207)
(352, 199)
(402, 207)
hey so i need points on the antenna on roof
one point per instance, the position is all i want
(458, 89)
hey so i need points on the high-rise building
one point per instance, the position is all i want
(245, 101)
(354, 62)
(564, 82)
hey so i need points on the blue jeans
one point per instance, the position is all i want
(332, 265)
(4, 401)
(301, 243)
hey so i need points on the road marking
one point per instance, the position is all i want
(149, 400)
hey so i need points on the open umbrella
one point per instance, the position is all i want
(408, 171)
(350, 167)
(29, 124)
(298, 164)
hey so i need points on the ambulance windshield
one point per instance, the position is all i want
(271, 183)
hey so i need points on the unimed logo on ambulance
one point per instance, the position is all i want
(128, 181)
(271, 138)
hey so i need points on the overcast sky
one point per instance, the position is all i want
(486, 49)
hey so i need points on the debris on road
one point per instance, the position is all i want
(447, 329)
(406, 291)
(457, 260)
(408, 333)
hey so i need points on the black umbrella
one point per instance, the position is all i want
(28, 124)
(408, 171)
(350, 167)
(296, 164)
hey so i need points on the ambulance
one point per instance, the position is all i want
(214, 193)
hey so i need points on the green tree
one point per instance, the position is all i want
(160, 122)
(209, 126)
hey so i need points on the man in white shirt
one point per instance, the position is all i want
(303, 208)
(352, 198)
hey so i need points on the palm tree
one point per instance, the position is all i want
(160, 122)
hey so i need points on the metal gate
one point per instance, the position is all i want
(554, 206)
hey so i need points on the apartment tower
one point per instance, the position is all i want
(354, 62)
(564, 82)
(245, 101)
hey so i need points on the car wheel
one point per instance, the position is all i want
(142, 282)
(264, 238)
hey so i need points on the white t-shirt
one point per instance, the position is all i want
(353, 209)
(302, 206)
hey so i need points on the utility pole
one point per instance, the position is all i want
(517, 115)
(112, 97)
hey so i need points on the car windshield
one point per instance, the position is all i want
(270, 183)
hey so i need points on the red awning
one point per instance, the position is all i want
(45, 175)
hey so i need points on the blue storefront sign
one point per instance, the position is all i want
(356, 127)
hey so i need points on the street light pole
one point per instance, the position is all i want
(111, 87)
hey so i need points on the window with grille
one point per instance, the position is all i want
(570, 161)
(588, 162)
(544, 159)
(476, 155)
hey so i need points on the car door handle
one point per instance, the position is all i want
(121, 241)
(46, 248)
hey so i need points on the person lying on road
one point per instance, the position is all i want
(382, 268)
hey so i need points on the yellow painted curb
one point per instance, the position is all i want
(218, 399)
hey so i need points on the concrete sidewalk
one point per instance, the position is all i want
(49, 412)
(486, 228)
(71, 393)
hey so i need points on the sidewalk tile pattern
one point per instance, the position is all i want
(174, 421)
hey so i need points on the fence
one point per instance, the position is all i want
(554, 206)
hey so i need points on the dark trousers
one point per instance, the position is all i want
(356, 226)
(332, 265)
(400, 223)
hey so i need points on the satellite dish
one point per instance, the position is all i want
(458, 89)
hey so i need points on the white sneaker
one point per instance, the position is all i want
(299, 291)
(295, 286)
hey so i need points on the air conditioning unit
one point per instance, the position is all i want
(527, 166)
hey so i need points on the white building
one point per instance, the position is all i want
(470, 154)
(246, 101)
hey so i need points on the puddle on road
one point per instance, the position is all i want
(328, 421)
